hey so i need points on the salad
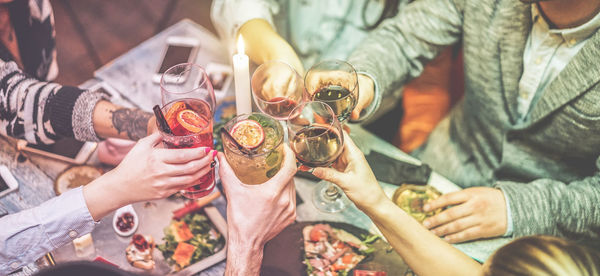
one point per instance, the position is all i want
(189, 240)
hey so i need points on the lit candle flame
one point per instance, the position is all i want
(240, 45)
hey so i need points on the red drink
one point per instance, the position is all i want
(191, 123)
(279, 107)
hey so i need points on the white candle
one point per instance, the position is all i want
(243, 103)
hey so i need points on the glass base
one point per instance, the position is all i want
(194, 194)
(327, 197)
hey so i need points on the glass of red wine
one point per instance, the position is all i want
(188, 103)
(334, 82)
(277, 88)
(315, 136)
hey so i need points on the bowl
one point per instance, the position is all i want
(121, 211)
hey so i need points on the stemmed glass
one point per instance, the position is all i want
(334, 82)
(277, 88)
(188, 105)
(316, 139)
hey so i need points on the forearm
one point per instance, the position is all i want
(243, 259)
(398, 49)
(111, 120)
(550, 207)
(424, 252)
(264, 44)
(27, 235)
(104, 195)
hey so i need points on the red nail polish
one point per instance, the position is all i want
(214, 153)
(206, 150)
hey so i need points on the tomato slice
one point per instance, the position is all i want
(191, 121)
(347, 259)
(248, 133)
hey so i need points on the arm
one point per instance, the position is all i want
(398, 49)
(147, 172)
(253, 19)
(551, 207)
(424, 252)
(41, 112)
(256, 213)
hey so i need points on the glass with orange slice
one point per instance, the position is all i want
(188, 105)
(253, 146)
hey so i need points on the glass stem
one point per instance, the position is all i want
(332, 192)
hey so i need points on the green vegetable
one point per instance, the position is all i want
(309, 267)
(205, 244)
(368, 239)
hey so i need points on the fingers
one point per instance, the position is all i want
(468, 234)
(150, 140)
(287, 171)
(455, 226)
(185, 181)
(365, 96)
(181, 156)
(447, 216)
(190, 167)
(453, 198)
(331, 175)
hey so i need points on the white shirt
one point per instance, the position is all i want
(546, 54)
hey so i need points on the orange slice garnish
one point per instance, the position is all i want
(191, 121)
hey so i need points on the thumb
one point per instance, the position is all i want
(225, 172)
(150, 140)
(331, 175)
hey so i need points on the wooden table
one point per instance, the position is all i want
(131, 76)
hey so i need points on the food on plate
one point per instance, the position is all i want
(330, 251)
(189, 240)
(139, 251)
(125, 222)
(74, 177)
(412, 198)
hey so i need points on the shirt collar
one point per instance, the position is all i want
(571, 36)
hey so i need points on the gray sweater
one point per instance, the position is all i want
(548, 165)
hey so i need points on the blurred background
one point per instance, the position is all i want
(91, 33)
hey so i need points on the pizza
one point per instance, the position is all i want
(330, 251)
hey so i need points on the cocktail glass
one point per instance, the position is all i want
(257, 165)
(188, 105)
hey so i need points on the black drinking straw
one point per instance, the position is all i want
(162, 122)
(235, 142)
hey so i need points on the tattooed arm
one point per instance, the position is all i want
(111, 120)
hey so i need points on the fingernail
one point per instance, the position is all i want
(426, 207)
(213, 164)
(426, 224)
(214, 153)
(206, 150)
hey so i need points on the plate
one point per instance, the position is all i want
(283, 255)
(74, 177)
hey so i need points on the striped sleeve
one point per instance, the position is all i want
(41, 112)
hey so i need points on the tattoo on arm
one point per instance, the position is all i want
(133, 122)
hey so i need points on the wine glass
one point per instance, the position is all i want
(317, 140)
(188, 103)
(334, 82)
(277, 88)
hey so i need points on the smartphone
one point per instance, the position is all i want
(66, 149)
(8, 183)
(179, 50)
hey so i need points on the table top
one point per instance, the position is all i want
(130, 75)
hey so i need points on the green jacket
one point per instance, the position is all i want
(548, 165)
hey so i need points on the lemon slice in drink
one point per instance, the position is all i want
(248, 133)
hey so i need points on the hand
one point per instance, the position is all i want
(279, 83)
(478, 212)
(353, 174)
(152, 125)
(365, 96)
(147, 172)
(256, 213)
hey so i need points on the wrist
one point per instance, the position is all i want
(374, 202)
(103, 196)
(243, 258)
